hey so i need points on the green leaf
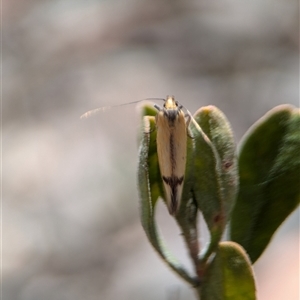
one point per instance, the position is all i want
(229, 276)
(215, 173)
(149, 147)
(217, 128)
(150, 188)
(269, 167)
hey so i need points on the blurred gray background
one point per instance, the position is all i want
(71, 225)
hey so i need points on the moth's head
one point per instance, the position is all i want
(170, 103)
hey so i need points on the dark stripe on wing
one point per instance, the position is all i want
(173, 182)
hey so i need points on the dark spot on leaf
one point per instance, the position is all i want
(227, 164)
(217, 218)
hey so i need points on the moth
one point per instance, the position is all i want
(171, 141)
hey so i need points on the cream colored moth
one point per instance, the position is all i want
(171, 140)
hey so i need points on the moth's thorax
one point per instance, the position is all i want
(171, 109)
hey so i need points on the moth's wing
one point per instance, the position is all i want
(171, 151)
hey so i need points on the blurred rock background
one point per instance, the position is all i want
(71, 225)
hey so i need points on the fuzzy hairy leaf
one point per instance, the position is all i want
(215, 170)
(229, 276)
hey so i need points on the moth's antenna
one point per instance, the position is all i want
(94, 112)
(160, 99)
(104, 108)
(182, 106)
